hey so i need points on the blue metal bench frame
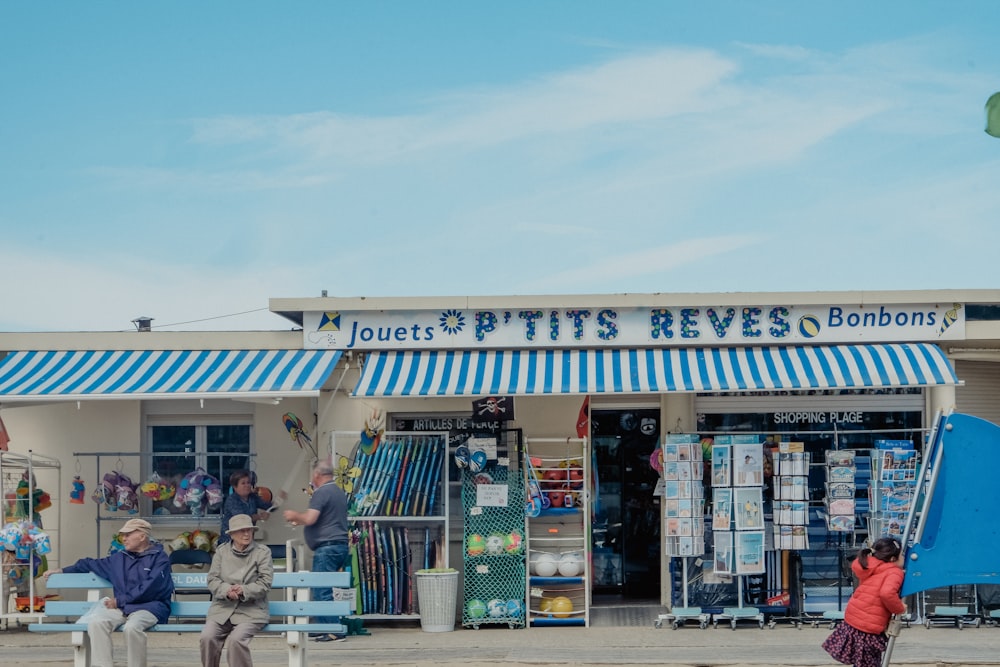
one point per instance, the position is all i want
(186, 617)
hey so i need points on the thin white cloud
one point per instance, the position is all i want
(105, 293)
(660, 260)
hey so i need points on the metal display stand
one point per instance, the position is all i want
(399, 499)
(15, 467)
(558, 538)
(494, 529)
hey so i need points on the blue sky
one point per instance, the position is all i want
(187, 161)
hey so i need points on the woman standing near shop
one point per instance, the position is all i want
(243, 499)
(861, 640)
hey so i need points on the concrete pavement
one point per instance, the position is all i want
(404, 644)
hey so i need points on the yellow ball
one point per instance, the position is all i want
(561, 606)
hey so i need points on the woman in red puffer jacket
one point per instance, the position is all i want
(860, 640)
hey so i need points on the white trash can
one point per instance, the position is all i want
(437, 595)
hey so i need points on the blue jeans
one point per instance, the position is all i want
(328, 558)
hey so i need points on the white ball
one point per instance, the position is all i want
(570, 564)
(494, 545)
(546, 565)
(496, 608)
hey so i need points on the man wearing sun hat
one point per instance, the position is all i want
(142, 588)
(239, 579)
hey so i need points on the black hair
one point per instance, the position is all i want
(885, 549)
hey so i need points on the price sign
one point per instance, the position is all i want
(491, 495)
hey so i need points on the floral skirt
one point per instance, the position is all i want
(853, 647)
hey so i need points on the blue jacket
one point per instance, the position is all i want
(139, 581)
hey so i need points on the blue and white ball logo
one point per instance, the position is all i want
(809, 326)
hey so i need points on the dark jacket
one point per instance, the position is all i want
(877, 596)
(139, 581)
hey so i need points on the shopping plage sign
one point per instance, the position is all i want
(455, 328)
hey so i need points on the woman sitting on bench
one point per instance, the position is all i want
(239, 579)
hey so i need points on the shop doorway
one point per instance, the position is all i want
(626, 514)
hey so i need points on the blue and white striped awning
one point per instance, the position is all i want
(73, 375)
(652, 371)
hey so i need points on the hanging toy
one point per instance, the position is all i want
(125, 495)
(41, 500)
(371, 435)
(105, 493)
(297, 432)
(78, 492)
(157, 488)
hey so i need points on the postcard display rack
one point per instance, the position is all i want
(399, 511)
(493, 512)
(682, 468)
(841, 486)
(893, 487)
(30, 483)
(737, 471)
(558, 543)
(791, 497)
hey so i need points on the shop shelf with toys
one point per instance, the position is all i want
(557, 474)
(30, 532)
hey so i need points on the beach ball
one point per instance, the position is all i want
(515, 608)
(496, 608)
(475, 544)
(546, 565)
(494, 544)
(475, 608)
(570, 564)
(512, 542)
(808, 326)
(561, 606)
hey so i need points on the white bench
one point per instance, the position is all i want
(189, 617)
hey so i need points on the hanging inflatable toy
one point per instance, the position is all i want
(79, 491)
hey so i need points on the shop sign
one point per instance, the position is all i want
(632, 327)
(819, 417)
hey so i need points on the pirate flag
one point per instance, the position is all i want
(500, 408)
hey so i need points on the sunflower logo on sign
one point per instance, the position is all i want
(452, 321)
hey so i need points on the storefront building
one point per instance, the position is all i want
(830, 370)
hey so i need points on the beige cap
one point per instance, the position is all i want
(239, 522)
(133, 525)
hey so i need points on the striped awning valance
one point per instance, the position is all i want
(626, 371)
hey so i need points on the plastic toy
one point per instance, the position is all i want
(475, 544)
(198, 491)
(182, 541)
(157, 488)
(78, 492)
(475, 608)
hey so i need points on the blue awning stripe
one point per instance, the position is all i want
(95, 374)
(653, 370)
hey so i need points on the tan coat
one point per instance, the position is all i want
(254, 570)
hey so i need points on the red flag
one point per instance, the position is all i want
(583, 421)
(4, 436)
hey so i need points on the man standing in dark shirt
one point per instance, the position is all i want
(325, 533)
